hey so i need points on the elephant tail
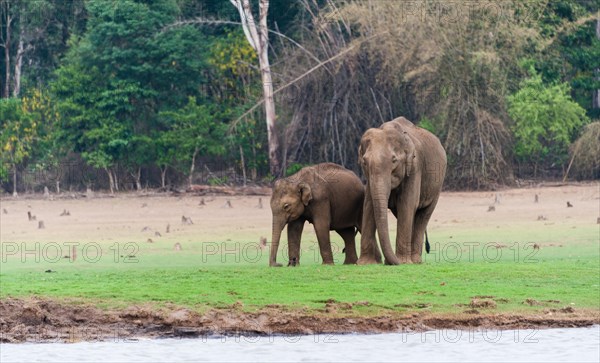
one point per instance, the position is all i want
(427, 246)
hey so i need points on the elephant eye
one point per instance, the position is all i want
(286, 206)
(394, 159)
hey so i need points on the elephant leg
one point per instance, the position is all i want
(369, 250)
(406, 214)
(294, 231)
(322, 231)
(420, 225)
(349, 244)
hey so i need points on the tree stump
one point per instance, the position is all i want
(569, 205)
(41, 225)
(30, 216)
(46, 193)
(263, 243)
(536, 199)
(259, 206)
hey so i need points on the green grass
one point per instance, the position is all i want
(570, 274)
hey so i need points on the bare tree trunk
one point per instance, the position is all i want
(137, 176)
(163, 176)
(57, 186)
(243, 164)
(192, 167)
(18, 66)
(15, 194)
(111, 181)
(258, 37)
(116, 180)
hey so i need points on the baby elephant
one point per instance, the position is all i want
(327, 195)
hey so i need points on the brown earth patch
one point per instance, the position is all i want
(44, 320)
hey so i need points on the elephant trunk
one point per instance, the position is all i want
(380, 193)
(278, 224)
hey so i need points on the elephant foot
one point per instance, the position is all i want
(363, 260)
(351, 261)
(405, 259)
(275, 264)
(391, 263)
(416, 259)
(330, 263)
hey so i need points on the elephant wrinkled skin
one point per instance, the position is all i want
(405, 167)
(326, 195)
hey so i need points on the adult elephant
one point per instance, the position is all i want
(327, 195)
(405, 167)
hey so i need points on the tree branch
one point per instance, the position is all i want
(234, 123)
(228, 22)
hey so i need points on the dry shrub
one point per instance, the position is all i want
(455, 75)
(585, 151)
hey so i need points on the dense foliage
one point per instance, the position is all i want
(134, 94)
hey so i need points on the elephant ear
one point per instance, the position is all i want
(411, 155)
(305, 193)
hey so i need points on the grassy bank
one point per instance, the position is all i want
(527, 256)
(517, 276)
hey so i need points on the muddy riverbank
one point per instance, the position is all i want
(45, 320)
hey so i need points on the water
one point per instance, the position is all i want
(552, 345)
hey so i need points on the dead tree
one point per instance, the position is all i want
(257, 35)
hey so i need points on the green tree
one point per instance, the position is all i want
(18, 133)
(194, 131)
(546, 120)
(119, 75)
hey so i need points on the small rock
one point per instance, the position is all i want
(569, 205)
(149, 240)
(177, 246)
(157, 234)
(491, 208)
(41, 225)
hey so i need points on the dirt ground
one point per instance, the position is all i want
(140, 217)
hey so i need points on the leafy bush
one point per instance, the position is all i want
(546, 119)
